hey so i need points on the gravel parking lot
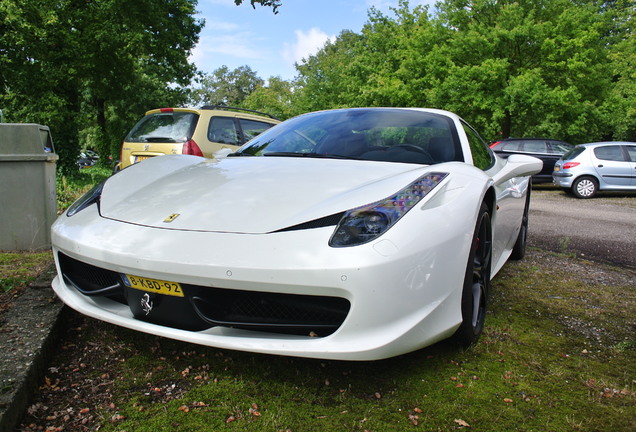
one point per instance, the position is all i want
(601, 228)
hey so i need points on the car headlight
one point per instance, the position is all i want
(91, 197)
(363, 224)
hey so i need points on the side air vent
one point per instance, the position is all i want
(88, 279)
(331, 220)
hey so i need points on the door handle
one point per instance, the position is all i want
(600, 166)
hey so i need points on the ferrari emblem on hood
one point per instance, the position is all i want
(172, 217)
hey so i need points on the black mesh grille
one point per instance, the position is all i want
(88, 279)
(288, 313)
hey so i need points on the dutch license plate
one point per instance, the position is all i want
(140, 158)
(153, 285)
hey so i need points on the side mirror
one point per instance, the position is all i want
(518, 166)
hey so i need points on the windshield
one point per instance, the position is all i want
(164, 127)
(378, 134)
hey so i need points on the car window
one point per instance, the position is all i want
(573, 153)
(535, 147)
(164, 127)
(223, 130)
(482, 155)
(251, 128)
(512, 146)
(556, 147)
(631, 150)
(612, 153)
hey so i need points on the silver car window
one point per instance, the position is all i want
(612, 153)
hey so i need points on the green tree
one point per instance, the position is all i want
(385, 65)
(620, 105)
(226, 87)
(331, 78)
(557, 68)
(394, 56)
(523, 68)
(275, 98)
(85, 68)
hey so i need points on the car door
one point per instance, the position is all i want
(612, 167)
(631, 153)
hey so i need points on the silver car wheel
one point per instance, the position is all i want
(585, 187)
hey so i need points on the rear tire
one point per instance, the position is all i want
(585, 187)
(476, 281)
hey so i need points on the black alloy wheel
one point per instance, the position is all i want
(476, 281)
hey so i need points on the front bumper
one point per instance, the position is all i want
(402, 296)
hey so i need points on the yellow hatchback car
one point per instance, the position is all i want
(209, 131)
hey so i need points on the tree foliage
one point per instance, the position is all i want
(275, 98)
(558, 68)
(226, 87)
(88, 69)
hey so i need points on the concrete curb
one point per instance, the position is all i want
(28, 332)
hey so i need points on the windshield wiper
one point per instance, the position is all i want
(236, 154)
(287, 154)
(310, 155)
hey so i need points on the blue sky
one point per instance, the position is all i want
(270, 44)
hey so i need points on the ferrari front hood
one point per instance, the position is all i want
(247, 194)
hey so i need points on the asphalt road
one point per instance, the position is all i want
(601, 228)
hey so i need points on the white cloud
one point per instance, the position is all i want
(212, 48)
(220, 26)
(307, 44)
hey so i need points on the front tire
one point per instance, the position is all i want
(476, 281)
(585, 187)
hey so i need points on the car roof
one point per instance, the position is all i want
(533, 139)
(603, 143)
(221, 108)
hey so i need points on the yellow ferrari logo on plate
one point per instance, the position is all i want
(172, 217)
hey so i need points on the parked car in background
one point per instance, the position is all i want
(87, 158)
(353, 234)
(204, 131)
(589, 168)
(548, 150)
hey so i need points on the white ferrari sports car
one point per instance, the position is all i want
(352, 234)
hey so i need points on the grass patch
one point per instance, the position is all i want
(69, 189)
(558, 353)
(18, 269)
